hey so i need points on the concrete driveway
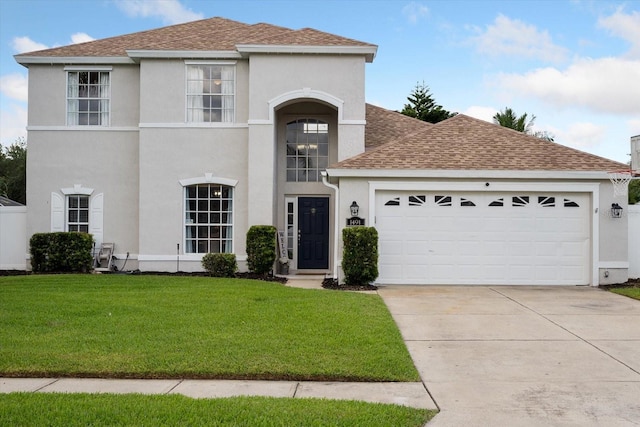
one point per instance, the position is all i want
(523, 356)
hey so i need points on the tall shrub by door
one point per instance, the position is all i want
(360, 255)
(261, 248)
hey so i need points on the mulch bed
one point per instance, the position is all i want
(333, 284)
(631, 283)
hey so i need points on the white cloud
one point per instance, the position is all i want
(13, 123)
(414, 11)
(171, 11)
(580, 135)
(634, 127)
(605, 85)
(513, 37)
(625, 26)
(14, 86)
(25, 44)
(480, 112)
(81, 38)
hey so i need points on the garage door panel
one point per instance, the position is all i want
(537, 241)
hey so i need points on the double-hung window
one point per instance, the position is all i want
(88, 97)
(210, 93)
(78, 213)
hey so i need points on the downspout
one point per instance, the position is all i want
(335, 222)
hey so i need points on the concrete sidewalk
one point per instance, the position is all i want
(523, 355)
(407, 394)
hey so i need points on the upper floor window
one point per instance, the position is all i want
(307, 150)
(78, 213)
(88, 98)
(210, 93)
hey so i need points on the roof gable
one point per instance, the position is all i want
(466, 143)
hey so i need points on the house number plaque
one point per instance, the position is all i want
(354, 220)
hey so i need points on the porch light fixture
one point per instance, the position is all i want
(616, 210)
(354, 208)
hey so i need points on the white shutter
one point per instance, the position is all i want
(96, 218)
(57, 212)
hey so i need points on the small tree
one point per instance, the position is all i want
(261, 248)
(360, 255)
(13, 171)
(423, 107)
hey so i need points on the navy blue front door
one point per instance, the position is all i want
(313, 233)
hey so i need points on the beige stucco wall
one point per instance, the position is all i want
(104, 160)
(163, 90)
(48, 95)
(170, 155)
(339, 76)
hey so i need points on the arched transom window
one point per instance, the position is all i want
(307, 149)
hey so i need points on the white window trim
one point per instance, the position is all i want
(87, 68)
(76, 68)
(294, 200)
(77, 189)
(208, 178)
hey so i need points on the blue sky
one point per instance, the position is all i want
(574, 64)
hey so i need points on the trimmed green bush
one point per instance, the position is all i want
(220, 265)
(61, 252)
(360, 255)
(261, 248)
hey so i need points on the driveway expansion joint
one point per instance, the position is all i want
(175, 385)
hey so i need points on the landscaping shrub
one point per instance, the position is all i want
(61, 252)
(220, 265)
(360, 255)
(261, 248)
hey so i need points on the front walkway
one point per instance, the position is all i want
(523, 356)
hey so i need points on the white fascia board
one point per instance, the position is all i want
(464, 174)
(368, 51)
(192, 54)
(26, 60)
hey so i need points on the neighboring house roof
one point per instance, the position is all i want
(213, 34)
(8, 202)
(465, 143)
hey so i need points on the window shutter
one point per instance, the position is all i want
(96, 218)
(57, 212)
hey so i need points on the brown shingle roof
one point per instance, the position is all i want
(385, 126)
(213, 34)
(465, 143)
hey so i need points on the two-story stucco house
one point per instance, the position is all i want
(172, 142)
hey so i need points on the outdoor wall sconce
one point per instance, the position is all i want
(354, 208)
(616, 210)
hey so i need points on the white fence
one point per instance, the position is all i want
(634, 241)
(13, 237)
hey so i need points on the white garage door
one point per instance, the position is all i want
(483, 238)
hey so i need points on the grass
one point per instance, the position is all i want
(632, 292)
(52, 409)
(123, 326)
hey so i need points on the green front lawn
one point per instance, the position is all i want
(632, 292)
(47, 409)
(194, 327)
